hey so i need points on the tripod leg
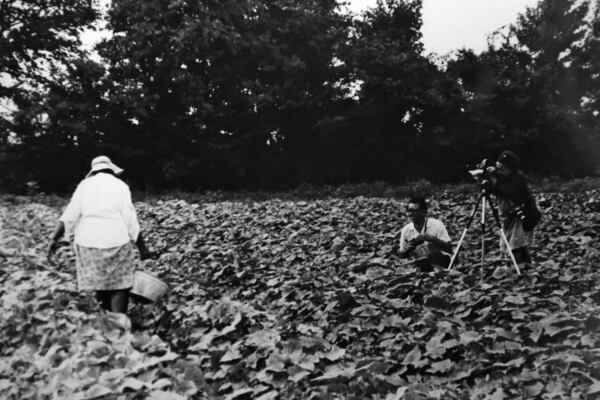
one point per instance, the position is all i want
(510, 253)
(482, 223)
(503, 235)
(462, 237)
(482, 231)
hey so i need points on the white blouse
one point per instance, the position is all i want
(101, 213)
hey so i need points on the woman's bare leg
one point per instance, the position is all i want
(522, 256)
(119, 300)
(103, 296)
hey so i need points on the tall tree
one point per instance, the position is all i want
(529, 91)
(554, 33)
(40, 38)
(36, 36)
(590, 64)
(223, 85)
(405, 105)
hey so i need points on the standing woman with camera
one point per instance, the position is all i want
(517, 206)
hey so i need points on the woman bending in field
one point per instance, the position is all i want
(105, 225)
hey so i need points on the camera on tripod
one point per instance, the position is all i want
(482, 173)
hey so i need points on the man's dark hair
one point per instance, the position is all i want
(420, 201)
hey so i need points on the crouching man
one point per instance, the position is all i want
(425, 239)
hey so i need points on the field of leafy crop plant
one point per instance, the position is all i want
(307, 299)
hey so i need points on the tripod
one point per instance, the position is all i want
(483, 199)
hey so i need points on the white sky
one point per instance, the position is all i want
(453, 24)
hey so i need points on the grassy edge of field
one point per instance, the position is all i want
(307, 192)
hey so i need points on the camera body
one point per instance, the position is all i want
(483, 172)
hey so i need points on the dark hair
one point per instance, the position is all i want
(105, 170)
(420, 201)
(510, 159)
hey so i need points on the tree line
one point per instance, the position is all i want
(227, 94)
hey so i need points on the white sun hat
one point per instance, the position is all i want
(102, 162)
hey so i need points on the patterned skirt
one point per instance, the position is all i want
(105, 269)
(513, 227)
(515, 234)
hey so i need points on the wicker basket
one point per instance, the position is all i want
(148, 286)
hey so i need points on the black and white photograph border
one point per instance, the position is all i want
(299, 199)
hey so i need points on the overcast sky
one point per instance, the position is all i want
(453, 24)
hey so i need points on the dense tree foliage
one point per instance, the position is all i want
(38, 35)
(264, 94)
(39, 41)
(407, 109)
(212, 91)
(531, 92)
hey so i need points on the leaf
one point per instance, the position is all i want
(435, 347)
(565, 359)
(334, 374)
(398, 395)
(460, 375)
(413, 357)
(233, 326)
(498, 394)
(437, 302)
(297, 374)
(239, 394)
(266, 338)
(554, 390)
(468, 337)
(536, 331)
(95, 391)
(270, 395)
(161, 383)
(264, 376)
(594, 388)
(162, 395)
(205, 341)
(366, 311)
(131, 383)
(153, 361)
(534, 390)
(276, 363)
(588, 341)
(233, 354)
(378, 261)
(441, 366)
(581, 240)
(518, 299)
(334, 354)
(517, 362)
